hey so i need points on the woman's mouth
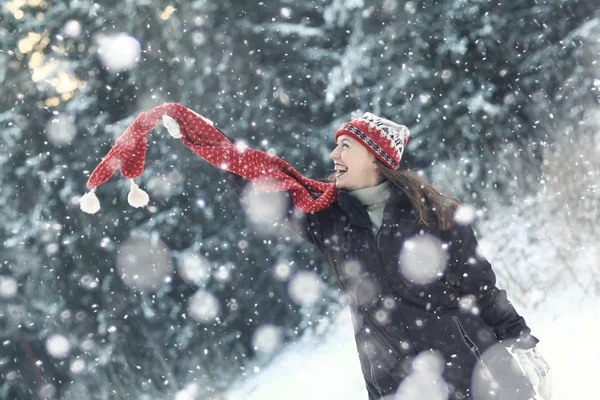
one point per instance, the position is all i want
(339, 171)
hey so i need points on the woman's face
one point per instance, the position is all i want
(357, 162)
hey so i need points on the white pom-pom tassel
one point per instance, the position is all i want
(137, 197)
(172, 126)
(89, 203)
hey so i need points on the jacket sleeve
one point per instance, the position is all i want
(474, 276)
(306, 225)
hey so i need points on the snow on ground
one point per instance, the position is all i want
(328, 368)
(564, 318)
(567, 325)
(311, 368)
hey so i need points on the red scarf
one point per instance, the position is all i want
(268, 173)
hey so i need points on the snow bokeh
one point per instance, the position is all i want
(282, 271)
(8, 287)
(565, 319)
(58, 346)
(465, 214)
(204, 307)
(144, 263)
(194, 269)
(118, 52)
(423, 259)
(267, 338)
(72, 28)
(265, 78)
(305, 288)
(263, 209)
(61, 130)
(425, 381)
(77, 366)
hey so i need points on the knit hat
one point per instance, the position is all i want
(382, 137)
(268, 173)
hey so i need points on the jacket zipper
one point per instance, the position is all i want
(377, 239)
(381, 263)
(372, 371)
(467, 339)
(474, 349)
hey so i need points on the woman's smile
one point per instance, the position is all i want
(340, 170)
(353, 161)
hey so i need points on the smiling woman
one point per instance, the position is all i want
(426, 310)
(407, 266)
(355, 166)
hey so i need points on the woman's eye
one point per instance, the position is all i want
(344, 145)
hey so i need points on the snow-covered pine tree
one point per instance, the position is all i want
(480, 84)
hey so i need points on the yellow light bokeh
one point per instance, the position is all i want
(52, 101)
(25, 45)
(36, 60)
(64, 83)
(42, 71)
(52, 70)
(166, 13)
(14, 6)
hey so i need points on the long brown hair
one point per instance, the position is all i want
(423, 196)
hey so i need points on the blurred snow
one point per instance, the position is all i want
(118, 52)
(305, 288)
(565, 320)
(58, 346)
(144, 264)
(194, 269)
(425, 381)
(267, 338)
(72, 28)
(8, 287)
(77, 366)
(261, 208)
(204, 307)
(328, 367)
(423, 259)
(61, 130)
(282, 271)
(465, 214)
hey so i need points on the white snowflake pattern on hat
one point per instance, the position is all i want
(397, 134)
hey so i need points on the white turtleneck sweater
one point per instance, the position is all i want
(374, 198)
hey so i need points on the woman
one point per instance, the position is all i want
(426, 312)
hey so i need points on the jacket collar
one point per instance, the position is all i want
(357, 213)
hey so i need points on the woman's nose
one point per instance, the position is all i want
(335, 154)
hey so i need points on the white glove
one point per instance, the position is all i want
(536, 369)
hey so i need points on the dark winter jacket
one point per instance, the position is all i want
(396, 319)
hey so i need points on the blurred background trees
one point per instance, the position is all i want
(501, 99)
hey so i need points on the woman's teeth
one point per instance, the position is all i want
(340, 171)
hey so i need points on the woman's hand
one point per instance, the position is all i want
(537, 370)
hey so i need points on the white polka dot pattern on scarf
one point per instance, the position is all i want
(268, 173)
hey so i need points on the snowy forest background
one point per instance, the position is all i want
(502, 99)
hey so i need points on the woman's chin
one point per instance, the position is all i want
(339, 185)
